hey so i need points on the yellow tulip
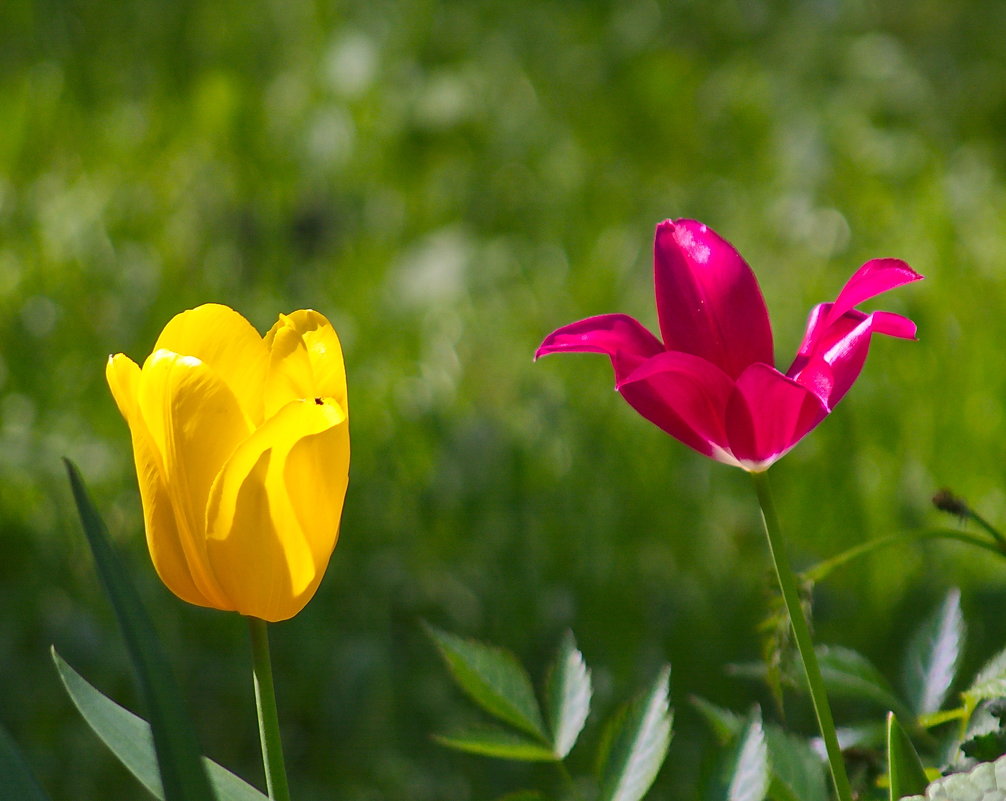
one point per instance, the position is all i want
(241, 444)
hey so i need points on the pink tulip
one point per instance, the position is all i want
(712, 383)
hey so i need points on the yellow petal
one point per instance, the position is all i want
(228, 343)
(195, 423)
(290, 376)
(316, 476)
(123, 377)
(268, 562)
(327, 374)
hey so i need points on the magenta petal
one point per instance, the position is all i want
(708, 300)
(625, 340)
(842, 349)
(768, 414)
(684, 395)
(873, 278)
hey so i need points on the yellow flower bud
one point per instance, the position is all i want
(241, 444)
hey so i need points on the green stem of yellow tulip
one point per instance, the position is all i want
(801, 633)
(268, 718)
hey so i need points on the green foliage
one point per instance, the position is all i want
(904, 768)
(635, 739)
(749, 780)
(986, 782)
(636, 743)
(19, 783)
(848, 673)
(129, 738)
(568, 692)
(498, 743)
(933, 656)
(494, 679)
(798, 774)
(182, 774)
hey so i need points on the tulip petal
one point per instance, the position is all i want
(708, 299)
(123, 375)
(305, 361)
(684, 395)
(228, 343)
(261, 552)
(316, 476)
(768, 414)
(323, 348)
(841, 348)
(195, 424)
(622, 338)
(870, 280)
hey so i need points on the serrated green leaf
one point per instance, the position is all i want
(849, 674)
(904, 768)
(128, 736)
(989, 682)
(749, 780)
(498, 743)
(638, 743)
(986, 782)
(725, 723)
(182, 773)
(933, 656)
(19, 783)
(568, 693)
(494, 679)
(797, 772)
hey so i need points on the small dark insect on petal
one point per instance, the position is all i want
(319, 401)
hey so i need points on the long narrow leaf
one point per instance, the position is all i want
(904, 768)
(494, 679)
(639, 744)
(17, 782)
(568, 692)
(128, 736)
(933, 656)
(182, 773)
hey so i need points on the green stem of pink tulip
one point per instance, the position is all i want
(268, 718)
(801, 633)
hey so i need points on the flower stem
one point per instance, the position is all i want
(268, 718)
(801, 632)
(822, 570)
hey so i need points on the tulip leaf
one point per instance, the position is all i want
(750, 777)
(494, 679)
(128, 736)
(568, 693)
(798, 774)
(849, 674)
(19, 783)
(182, 773)
(985, 782)
(500, 743)
(904, 768)
(933, 656)
(636, 743)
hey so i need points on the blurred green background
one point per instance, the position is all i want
(449, 182)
